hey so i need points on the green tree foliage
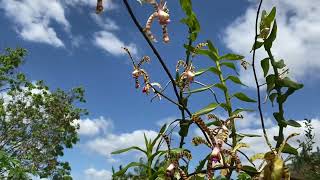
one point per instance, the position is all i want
(36, 124)
(306, 165)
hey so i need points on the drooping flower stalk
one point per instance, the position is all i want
(139, 72)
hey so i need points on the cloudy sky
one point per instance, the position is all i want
(69, 45)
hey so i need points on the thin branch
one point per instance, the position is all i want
(153, 48)
(180, 104)
(256, 78)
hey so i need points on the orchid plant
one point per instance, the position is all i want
(220, 136)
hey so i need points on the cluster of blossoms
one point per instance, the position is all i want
(219, 156)
(139, 72)
(161, 12)
(187, 76)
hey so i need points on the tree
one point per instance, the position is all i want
(306, 165)
(36, 124)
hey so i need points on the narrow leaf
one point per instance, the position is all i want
(235, 80)
(229, 65)
(265, 66)
(206, 109)
(241, 96)
(128, 149)
(231, 57)
(201, 89)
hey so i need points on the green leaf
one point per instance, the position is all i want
(235, 80)
(163, 128)
(211, 69)
(272, 97)
(278, 117)
(184, 127)
(257, 45)
(186, 5)
(249, 135)
(270, 18)
(215, 123)
(221, 86)
(290, 150)
(243, 97)
(214, 70)
(206, 109)
(128, 149)
(231, 57)
(239, 110)
(293, 123)
(208, 53)
(201, 89)
(229, 65)
(265, 66)
(279, 64)
(249, 170)
(287, 82)
(270, 82)
(268, 42)
(257, 156)
(201, 71)
(225, 106)
(244, 176)
(212, 48)
(239, 145)
(124, 170)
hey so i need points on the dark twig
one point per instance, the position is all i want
(256, 78)
(155, 51)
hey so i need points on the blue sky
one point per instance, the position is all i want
(68, 45)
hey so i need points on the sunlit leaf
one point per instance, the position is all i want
(243, 97)
(268, 42)
(229, 65)
(231, 57)
(206, 109)
(128, 149)
(124, 170)
(235, 80)
(201, 89)
(257, 156)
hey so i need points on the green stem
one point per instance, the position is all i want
(279, 93)
(228, 103)
(181, 92)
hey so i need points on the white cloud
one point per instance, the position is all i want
(252, 121)
(112, 142)
(105, 23)
(92, 173)
(91, 127)
(112, 44)
(33, 18)
(296, 43)
(166, 120)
